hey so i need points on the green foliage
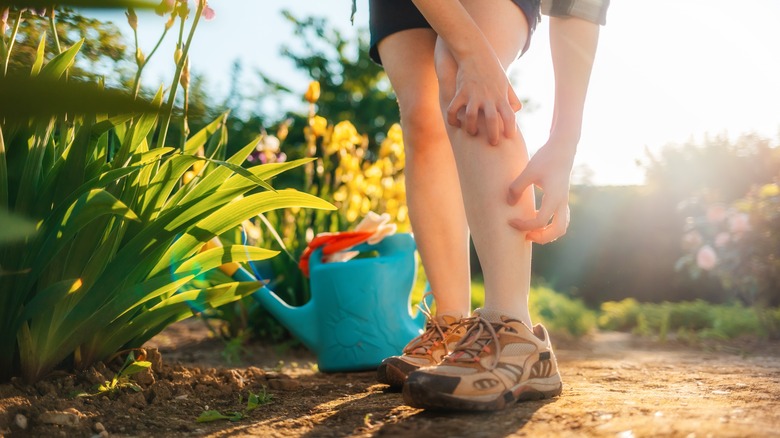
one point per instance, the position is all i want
(119, 231)
(560, 314)
(253, 402)
(688, 318)
(122, 377)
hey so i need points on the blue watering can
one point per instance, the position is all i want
(359, 312)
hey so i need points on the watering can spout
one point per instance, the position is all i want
(301, 321)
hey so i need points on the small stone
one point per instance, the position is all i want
(103, 434)
(21, 421)
(99, 427)
(61, 418)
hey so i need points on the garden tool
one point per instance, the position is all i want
(359, 312)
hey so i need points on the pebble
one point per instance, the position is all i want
(21, 421)
(61, 418)
(99, 427)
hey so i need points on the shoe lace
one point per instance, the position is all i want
(431, 337)
(481, 336)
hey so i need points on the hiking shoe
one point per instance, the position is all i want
(428, 349)
(497, 362)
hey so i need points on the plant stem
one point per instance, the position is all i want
(11, 42)
(137, 81)
(53, 25)
(177, 75)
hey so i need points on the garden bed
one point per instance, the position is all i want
(614, 384)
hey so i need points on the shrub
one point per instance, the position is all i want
(119, 228)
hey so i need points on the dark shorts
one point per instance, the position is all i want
(387, 17)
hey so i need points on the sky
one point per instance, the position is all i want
(666, 71)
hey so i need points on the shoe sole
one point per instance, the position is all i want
(420, 396)
(390, 375)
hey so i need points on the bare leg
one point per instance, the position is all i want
(486, 171)
(433, 192)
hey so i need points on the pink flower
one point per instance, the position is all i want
(706, 258)
(716, 213)
(739, 223)
(722, 239)
(208, 13)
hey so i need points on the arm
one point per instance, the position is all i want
(481, 83)
(573, 44)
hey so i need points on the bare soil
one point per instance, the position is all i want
(614, 385)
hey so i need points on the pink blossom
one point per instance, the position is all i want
(716, 213)
(208, 13)
(739, 223)
(706, 258)
(722, 239)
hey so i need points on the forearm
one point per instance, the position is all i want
(573, 44)
(455, 26)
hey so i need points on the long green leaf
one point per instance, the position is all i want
(198, 140)
(137, 133)
(179, 306)
(87, 208)
(215, 257)
(215, 178)
(231, 215)
(36, 68)
(55, 68)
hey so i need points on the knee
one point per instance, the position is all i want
(422, 123)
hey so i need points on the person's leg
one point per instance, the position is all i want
(433, 196)
(433, 192)
(487, 171)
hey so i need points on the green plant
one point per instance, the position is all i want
(561, 314)
(122, 377)
(252, 403)
(119, 232)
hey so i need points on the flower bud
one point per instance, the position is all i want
(177, 55)
(164, 7)
(284, 129)
(170, 22)
(185, 74)
(139, 57)
(207, 12)
(132, 18)
(313, 92)
(3, 21)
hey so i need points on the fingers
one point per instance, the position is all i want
(541, 220)
(454, 109)
(472, 117)
(556, 229)
(514, 101)
(508, 120)
(492, 123)
(518, 187)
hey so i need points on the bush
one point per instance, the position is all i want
(688, 318)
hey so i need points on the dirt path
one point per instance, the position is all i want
(615, 385)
